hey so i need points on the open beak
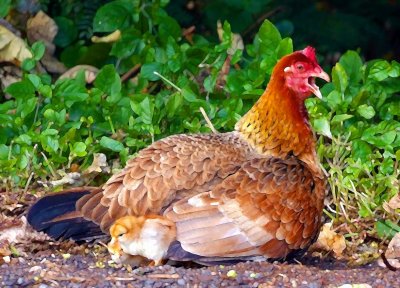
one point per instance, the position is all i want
(311, 83)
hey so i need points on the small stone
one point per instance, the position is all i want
(20, 280)
(231, 274)
(181, 282)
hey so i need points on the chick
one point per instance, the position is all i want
(146, 236)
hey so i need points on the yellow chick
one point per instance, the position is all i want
(136, 237)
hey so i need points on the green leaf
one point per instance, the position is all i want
(23, 161)
(285, 47)
(386, 229)
(46, 91)
(24, 139)
(174, 102)
(379, 70)
(111, 144)
(145, 109)
(79, 149)
(72, 90)
(334, 100)
(189, 95)
(49, 143)
(387, 166)
(169, 27)
(148, 69)
(108, 80)
(382, 134)
(4, 151)
(366, 111)
(35, 80)
(5, 6)
(361, 150)
(28, 64)
(38, 50)
(321, 125)
(112, 16)
(67, 31)
(341, 118)
(267, 39)
(352, 64)
(340, 78)
(27, 107)
(21, 90)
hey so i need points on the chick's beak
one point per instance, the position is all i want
(311, 82)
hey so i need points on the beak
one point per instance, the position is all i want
(324, 75)
(313, 87)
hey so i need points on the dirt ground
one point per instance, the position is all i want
(34, 260)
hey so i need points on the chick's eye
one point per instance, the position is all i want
(121, 234)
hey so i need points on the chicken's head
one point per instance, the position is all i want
(299, 70)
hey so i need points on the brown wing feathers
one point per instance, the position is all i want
(257, 212)
(171, 169)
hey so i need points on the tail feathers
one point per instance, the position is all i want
(56, 215)
(177, 253)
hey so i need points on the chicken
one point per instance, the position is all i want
(147, 236)
(257, 190)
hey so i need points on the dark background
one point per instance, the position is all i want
(332, 26)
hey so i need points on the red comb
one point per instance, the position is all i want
(310, 53)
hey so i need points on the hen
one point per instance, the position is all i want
(258, 190)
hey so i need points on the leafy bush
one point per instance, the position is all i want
(361, 113)
(48, 127)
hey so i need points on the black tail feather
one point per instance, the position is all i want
(43, 215)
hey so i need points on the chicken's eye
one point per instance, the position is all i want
(300, 67)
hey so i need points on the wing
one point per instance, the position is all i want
(170, 169)
(269, 207)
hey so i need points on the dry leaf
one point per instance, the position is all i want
(329, 240)
(393, 250)
(392, 254)
(12, 229)
(42, 27)
(90, 72)
(70, 178)
(113, 37)
(12, 48)
(9, 75)
(98, 165)
(237, 41)
(393, 204)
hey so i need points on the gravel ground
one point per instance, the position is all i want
(47, 269)
(34, 260)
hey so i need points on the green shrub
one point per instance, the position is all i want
(49, 125)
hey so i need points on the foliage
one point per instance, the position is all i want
(50, 126)
(360, 112)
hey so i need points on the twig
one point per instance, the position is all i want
(49, 165)
(164, 276)
(388, 265)
(123, 278)
(128, 74)
(27, 183)
(210, 125)
(260, 19)
(168, 81)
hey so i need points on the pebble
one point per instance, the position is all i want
(181, 282)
